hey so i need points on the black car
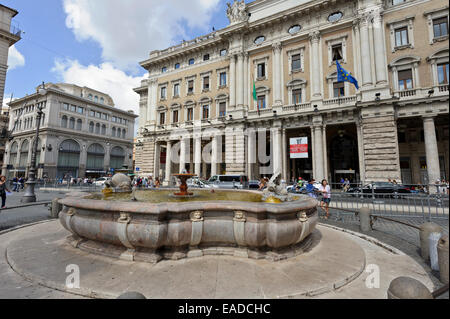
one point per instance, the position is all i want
(381, 188)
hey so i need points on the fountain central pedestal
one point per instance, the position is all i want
(183, 186)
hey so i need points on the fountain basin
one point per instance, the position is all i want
(149, 232)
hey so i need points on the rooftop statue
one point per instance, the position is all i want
(237, 12)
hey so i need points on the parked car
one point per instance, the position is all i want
(101, 181)
(253, 184)
(197, 183)
(379, 188)
(229, 181)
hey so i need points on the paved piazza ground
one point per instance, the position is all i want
(33, 261)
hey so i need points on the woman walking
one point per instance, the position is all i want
(3, 190)
(326, 197)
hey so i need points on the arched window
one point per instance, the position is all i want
(90, 96)
(23, 161)
(96, 98)
(91, 127)
(79, 125)
(119, 132)
(97, 128)
(102, 100)
(103, 129)
(124, 133)
(117, 157)
(72, 123)
(95, 157)
(113, 132)
(64, 121)
(13, 154)
(68, 159)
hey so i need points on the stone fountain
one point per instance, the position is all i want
(183, 177)
(160, 225)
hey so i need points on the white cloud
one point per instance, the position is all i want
(15, 58)
(104, 78)
(7, 99)
(128, 30)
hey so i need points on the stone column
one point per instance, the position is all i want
(277, 150)
(380, 52)
(365, 51)
(232, 81)
(240, 80)
(183, 154)
(168, 163)
(251, 151)
(284, 156)
(246, 81)
(324, 152)
(318, 158)
(152, 100)
(432, 152)
(157, 159)
(314, 37)
(277, 73)
(362, 168)
(198, 156)
(214, 155)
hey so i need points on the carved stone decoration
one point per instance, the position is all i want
(239, 216)
(71, 212)
(314, 36)
(196, 216)
(124, 218)
(237, 12)
(302, 217)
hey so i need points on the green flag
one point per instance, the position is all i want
(254, 92)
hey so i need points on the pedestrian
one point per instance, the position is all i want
(3, 190)
(15, 184)
(346, 185)
(157, 183)
(262, 184)
(326, 197)
(21, 184)
(310, 189)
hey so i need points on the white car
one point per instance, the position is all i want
(101, 181)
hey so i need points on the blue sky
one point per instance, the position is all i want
(98, 43)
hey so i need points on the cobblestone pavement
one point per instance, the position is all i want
(400, 236)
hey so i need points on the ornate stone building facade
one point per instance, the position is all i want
(81, 134)
(211, 104)
(9, 35)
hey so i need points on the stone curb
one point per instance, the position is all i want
(24, 226)
(372, 240)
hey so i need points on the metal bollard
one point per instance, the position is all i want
(365, 219)
(131, 295)
(408, 288)
(425, 231)
(442, 249)
(56, 208)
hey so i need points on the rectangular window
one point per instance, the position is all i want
(175, 116)
(223, 52)
(92, 113)
(206, 83)
(164, 70)
(401, 37)
(114, 119)
(440, 27)
(177, 66)
(206, 57)
(80, 110)
(222, 109)
(261, 102)
(297, 96)
(176, 90)
(191, 86)
(163, 93)
(66, 106)
(205, 113)
(338, 89)
(443, 73)
(223, 79)
(191, 61)
(105, 116)
(73, 108)
(190, 114)
(296, 62)
(336, 52)
(98, 115)
(405, 80)
(261, 70)
(394, 2)
(162, 118)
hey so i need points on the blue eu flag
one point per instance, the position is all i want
(345, 76)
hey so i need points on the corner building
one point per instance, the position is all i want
(199, 94)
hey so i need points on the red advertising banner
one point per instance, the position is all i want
(299, 147)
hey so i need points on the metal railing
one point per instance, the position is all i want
(64, 185)
(426, 206)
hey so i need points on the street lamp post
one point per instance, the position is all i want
(30, 196)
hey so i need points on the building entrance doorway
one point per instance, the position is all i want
(343, 154)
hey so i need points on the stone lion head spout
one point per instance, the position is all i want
(237, 12)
